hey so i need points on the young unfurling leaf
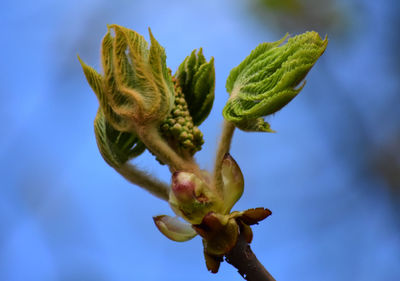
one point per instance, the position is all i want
(269, 78)
(196, 77)
(116, 147)
(96, 82)
(136, 88)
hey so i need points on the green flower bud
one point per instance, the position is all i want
(181, 121)
(269, 78)
(165, 127)
(183, 136)
(171, 122)
(177, 112)
(176, 129)
(188, 144)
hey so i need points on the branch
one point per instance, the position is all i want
(223, 147)
(246, 262)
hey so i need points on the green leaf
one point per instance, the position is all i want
(269, 78)
(116, 147)
(248, 61)
(196, 77)
(94, 79)
(142, 77)
(161, 74)
(136, 89)
(96, 82)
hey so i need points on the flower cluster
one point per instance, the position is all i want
(178, 128)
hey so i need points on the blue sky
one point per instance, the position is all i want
(66, 215)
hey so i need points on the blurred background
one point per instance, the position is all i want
(330, 175)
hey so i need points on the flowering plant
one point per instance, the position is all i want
(143, 106)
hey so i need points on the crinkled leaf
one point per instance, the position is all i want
(142, 75)
(196, 77)
(269, 78)
(96, 82)
(161, 73)
(114, 100)
(94, 79)
(116, 147)
(248, 61)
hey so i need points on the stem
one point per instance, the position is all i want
(223, 148)
(246, 262)
(157, 145)
(142, 179)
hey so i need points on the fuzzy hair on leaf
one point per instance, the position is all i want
(269, 78)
